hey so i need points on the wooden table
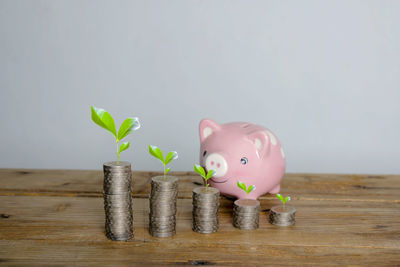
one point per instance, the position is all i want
(56, 217)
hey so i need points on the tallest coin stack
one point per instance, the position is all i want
(118, 200)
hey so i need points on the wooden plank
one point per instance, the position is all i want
(322, 223)
(69, 231)
(375, 188)
(107, 253)
(55, 217)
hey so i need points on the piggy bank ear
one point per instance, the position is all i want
(260, 140)
(207, 127)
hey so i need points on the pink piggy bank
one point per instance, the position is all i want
(243, 152)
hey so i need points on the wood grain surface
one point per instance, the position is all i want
(56, 218)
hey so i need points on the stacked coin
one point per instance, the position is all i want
(205, 210)
(246, 214)
(282, 216)
(118, 200)
(162, 217)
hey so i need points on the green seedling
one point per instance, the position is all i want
(282, 199)
(157, 153)
(106, 121)
(200, 170)
(242, 186)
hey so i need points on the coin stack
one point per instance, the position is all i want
(117, 190)
(282, 216)
(205, 210)
(162, 217)
(246, 214)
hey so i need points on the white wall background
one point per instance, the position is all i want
(323, 75)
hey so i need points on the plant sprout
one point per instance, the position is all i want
(249, 189)
(157, 153)
(200, 170)
(106, 121)
(282, 199)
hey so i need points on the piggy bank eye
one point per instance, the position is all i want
(204, 153)
(244, 161)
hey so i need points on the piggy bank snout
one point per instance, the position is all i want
(217, 163)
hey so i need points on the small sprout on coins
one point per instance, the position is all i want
(249, 189)
(282, 199)
(200, 170)
(106, 121)
(157, 153)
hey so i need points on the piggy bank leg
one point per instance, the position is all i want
(276, 189)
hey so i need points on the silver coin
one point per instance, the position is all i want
(118, 201)
(205, 203)
(282, 217)
(163, 197)
(246, 214)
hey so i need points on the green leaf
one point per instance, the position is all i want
(167, 170)
(171, 156)
(156, 152)
(286, 199)
(104, 120)
(124, 147)
(199, 170)
(129, 125)
(250, 189)
(279, 196)
(210, 174)
(241, 185)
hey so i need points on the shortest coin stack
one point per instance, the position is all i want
(118, 200)
(246, 214)
(205, 210)
(162, 217)
(282, 216)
